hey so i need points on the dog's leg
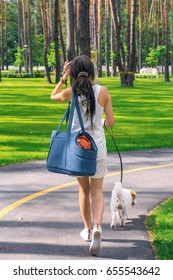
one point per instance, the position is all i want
(120, 214)
(123, 218)
(113, 223)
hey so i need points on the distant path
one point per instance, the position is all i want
(40, 218)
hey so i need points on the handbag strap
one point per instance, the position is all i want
(74, 105)
(66, 116)
(69, 113)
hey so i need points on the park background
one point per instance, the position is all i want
(131, 45)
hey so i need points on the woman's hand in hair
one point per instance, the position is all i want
(66, 69)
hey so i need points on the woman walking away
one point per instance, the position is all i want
(94, 100)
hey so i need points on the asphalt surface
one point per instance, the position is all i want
(46, 225)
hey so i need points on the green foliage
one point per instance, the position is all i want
(19, 59)
(14, 74)
(38, 47)
(154, 55)
(113, 55)
(151, 59)
(51, 55)
(160, 52)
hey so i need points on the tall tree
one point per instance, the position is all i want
(131, 67)
(166, 41)
(84, 27)
(24, 35)
(70, 30)
(95, 24)
(29, 38)
(140, 33)
(5, 31)
(76, 22)
(4, 45)
(56, 37)
(113, 51)
(94, 33)
(126, 66)
(107, 37)
(36, 17)
(44, 21)
(50, 22)
(60, 31)
(0, 39)
(20, 29)
(99, 57)
(171, 35)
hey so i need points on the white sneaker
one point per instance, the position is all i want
(86, 234)
(95, 247)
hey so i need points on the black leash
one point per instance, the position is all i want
(113, 139)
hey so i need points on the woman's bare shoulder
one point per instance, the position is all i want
(103, 96)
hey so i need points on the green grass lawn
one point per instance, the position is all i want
(160, 226)
(143, 115)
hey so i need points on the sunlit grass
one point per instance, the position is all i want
(160, 225)
(143, 116)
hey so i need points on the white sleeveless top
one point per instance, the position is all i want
(97, 132)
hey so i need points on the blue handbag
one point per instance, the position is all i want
(65, 156)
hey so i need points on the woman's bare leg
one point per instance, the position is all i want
(97, 199)
(84, 200)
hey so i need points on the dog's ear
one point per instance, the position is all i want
(133, 195)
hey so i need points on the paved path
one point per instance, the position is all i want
(38, 222)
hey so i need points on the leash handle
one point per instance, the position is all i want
(113, 139)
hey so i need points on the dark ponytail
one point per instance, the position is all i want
(82, 74)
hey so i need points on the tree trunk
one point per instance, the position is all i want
(95, 17)
(119, 43)
(76, 22)
(29, 38)
(146, 20)
(84, 28)
(132, 60)
(70, 30)
(24, 42)
(0, 39)
(60, 32)
(140, 34)
(107, 37)
(56, 36)
(3, 38)
(166, 41)
(50, 21)
(44, 20)
(99, 57)
(94, 35)
(113, 51)
(35, 17)
(126, 69)
(128, 13)
(5, 30)
(20, 30)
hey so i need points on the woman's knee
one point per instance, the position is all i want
(84, 185)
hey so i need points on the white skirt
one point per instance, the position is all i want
(101, 169)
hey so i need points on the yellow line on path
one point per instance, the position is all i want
(12, 206)
(140, 169)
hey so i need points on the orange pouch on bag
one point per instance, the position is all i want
(83, 142)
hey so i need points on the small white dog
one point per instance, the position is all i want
(121, 199)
